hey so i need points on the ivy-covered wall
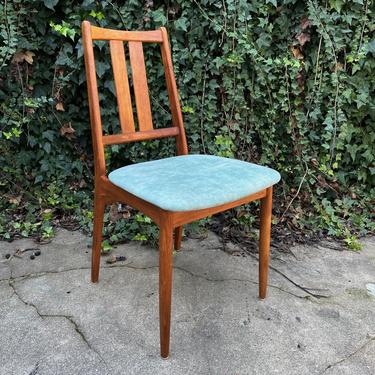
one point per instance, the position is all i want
(289, 84)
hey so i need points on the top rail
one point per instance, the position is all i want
(99, 33)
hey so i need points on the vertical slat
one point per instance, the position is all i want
(120, 74)
(142, 99)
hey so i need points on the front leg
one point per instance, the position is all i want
(264, 241)
(165, 285)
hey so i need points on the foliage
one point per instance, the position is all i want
(287, 84)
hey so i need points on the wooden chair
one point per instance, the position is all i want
(172, 191)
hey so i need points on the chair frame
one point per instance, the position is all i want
(170, 223)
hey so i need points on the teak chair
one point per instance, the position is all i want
(172, 191)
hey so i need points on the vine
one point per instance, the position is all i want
(289, 85)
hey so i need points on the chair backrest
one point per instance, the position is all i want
(135, 40)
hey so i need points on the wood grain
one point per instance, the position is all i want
(142, 99)
(264, 241)
(93, 96)
(120, 74)
(99, 33)
(165, 285)
(99, 207)
(185, 217)
(174, 101)
(178, 237)
(139, 136)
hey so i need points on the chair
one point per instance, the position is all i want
(172, 191)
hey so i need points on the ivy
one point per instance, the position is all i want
(286, 84)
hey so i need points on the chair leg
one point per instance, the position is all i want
(165, 286)
(264, 241)
(177, 238)
(99, 207)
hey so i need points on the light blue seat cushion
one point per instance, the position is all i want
(192, 182)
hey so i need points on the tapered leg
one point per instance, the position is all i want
(99, 207)
(177, 238)
(264, 241)
(165, 286)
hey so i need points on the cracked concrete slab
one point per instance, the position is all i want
(318, 318)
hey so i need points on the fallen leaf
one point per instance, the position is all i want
(67, 131)
(18, 253)
(60, 106)
(241, 213)
(125, 210)
(29, 57)
(305, 23)
(334, 185)
(111, 260)
(321, 181)
(21, 56)
(303, 38)
(114, 215)
(301, 81)
(231, 124)
(339, 67)
(15, 200)
(297, 53)
(149, 4)
(314, 162)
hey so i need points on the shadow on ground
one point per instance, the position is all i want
(319, 317)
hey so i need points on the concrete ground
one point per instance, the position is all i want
(319, 317)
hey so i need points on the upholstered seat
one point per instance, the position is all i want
(193, 182)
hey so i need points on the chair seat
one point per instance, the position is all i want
(193, 182)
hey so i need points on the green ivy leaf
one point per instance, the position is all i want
(180, 24)
(248, 90)
(86, 3)
(371, 47)
(159, 18)
(101, 68)
(106, 247)
(50, 3)
(336, 4)
(273, 2)
(47, 147)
